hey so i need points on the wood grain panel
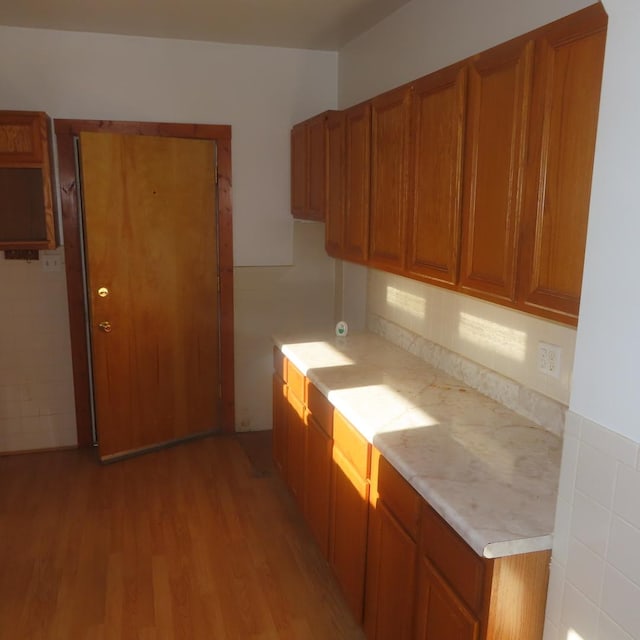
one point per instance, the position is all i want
(316, 180)
(391, 579)
(320, 408)
(399, 497)
(299, 170)
(335, 173)
(357, 182)
(440, 613)
(389, 161)
(296, 443)
(518, 596)
(156, 374)
(348, 533)
(317, 487)
(435, 190)
(568, 79)
(279, 426)
(453, 558)
(66, 132)
(496, 147)
(353, 446)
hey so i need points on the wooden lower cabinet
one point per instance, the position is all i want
(296, 436)
(348, 537)
(391, 569)
(440, 613)
(279, 433)
(404, 572)
(317, 494)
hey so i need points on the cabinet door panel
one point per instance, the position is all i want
(440, 614)
(279, 435)
(435, 189)
(348, 537)
(318, 483)
(335, 168)
(497, 128)
(299, 170)
(357, 182)
(391, 572)
(389, 160)
(296, 429)
(565, 113)
(316, 158)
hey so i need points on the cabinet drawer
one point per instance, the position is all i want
(353, 446)
(296, 382)
(453, 557)
(279, 363)
(320, 408)
(399, 497)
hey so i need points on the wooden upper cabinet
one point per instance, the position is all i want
(389, 163)
(438, 109)
(27, 218)
(335, 170)
(299, 170)
(568, 78)
(357, 182)
(308, 170)
(499, 96)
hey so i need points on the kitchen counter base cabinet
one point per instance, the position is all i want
(392, 554)
(403, 570)
(461, 595)
(349, 512)
(279, 427)
(318, 465)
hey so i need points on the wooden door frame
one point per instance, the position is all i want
(66, 132)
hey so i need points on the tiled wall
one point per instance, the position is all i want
(498, 338)
(594, 591)
(36, 387)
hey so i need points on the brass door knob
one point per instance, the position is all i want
(105, 326)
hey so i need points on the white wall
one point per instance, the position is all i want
(595, 577)
(608, 350)
(259, 91)
(426, 35)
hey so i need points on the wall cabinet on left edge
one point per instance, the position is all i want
(308, 170)
(27, 218)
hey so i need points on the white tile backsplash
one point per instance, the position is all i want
(595, 567)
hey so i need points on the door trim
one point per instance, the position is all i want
(66, 131)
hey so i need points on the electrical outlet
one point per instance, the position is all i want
(549, 356)
(51, 261)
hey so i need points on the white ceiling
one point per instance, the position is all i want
(305, 24)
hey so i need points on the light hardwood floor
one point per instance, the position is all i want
(191, 543)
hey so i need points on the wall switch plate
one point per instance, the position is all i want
(549, 357)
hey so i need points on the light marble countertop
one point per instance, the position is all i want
(490, 473)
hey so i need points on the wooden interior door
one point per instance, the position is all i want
(152, 273)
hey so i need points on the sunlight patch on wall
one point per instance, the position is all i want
(493, 336)
(574, 635)
(407, 302)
